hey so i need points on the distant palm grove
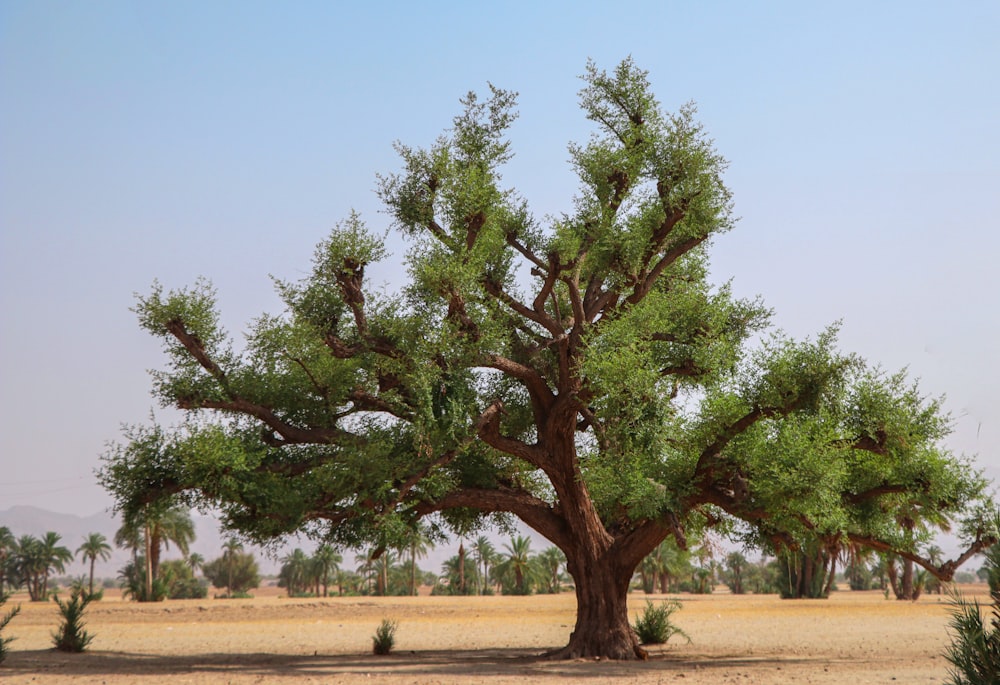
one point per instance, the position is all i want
(482, 566)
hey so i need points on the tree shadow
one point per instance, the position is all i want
(419, 665)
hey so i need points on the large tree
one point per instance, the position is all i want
(579, 373)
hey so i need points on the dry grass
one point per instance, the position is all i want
(857, 638)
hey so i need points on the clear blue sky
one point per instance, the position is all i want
(168, 140)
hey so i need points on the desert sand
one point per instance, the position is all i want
(854, 637)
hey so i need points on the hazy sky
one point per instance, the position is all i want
(168, 140)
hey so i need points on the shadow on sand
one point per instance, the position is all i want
(421, 665)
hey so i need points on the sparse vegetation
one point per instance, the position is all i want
(654, 626)
(974, 653)
(71, 636)
(4, 641)
(384, 638)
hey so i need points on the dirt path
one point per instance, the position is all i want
(856, 638)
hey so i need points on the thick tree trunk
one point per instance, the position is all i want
(602, 628)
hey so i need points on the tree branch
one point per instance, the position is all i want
(671, 256)
(536, 512)
(541, 318)
(945, 572)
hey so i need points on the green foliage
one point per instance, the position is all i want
(6, 640)
(992, 566)
(132, 578)
(95, 546)
(974, 653)
(71, 636)
(385, 637)
(516, 573)
(804, 573)
(179, 581)
(654, 626)
(237, 571)
(460, 577)
(581, 373)
(33, 561)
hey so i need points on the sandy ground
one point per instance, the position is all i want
(854, 637)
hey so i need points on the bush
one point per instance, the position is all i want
(385, 637)
(654, 627)
(975, 649)
(4, 641)
(71, 637)
(992, 567)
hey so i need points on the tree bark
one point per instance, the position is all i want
(602, 629)
(907, 580)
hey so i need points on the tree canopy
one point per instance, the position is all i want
(579, 373)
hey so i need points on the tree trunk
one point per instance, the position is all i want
(831, 577)
(149, 564)
(907, 580)
(602, 628)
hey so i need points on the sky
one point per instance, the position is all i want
(171, 140)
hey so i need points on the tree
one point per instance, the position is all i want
(455, 569)
(195, 561)
(152, 528)
(295, 573)
(94, 546)
(549, 562)
(515, 570)
(237, 572)
(326, 562)
(35, 559)
(230, 549)
(736, 563)
(178, 581)
(581, 374)
(485, 555)
(7, 542)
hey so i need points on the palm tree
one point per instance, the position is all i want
(517, 564)
(485, 554)
(7, 543)
(294, 574)
(230, 549)
(94, 545)
(549, 562)
(325, 561)
(27, 565)
(418, 545)
(56, 557)
(35, 559)
(366, 568)
(385, 561)
(154, 528)
(195, 561)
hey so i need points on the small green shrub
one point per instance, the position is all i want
(4, 641)
(654, 627)
(385, 637)
(974, 653)
(71, 637)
